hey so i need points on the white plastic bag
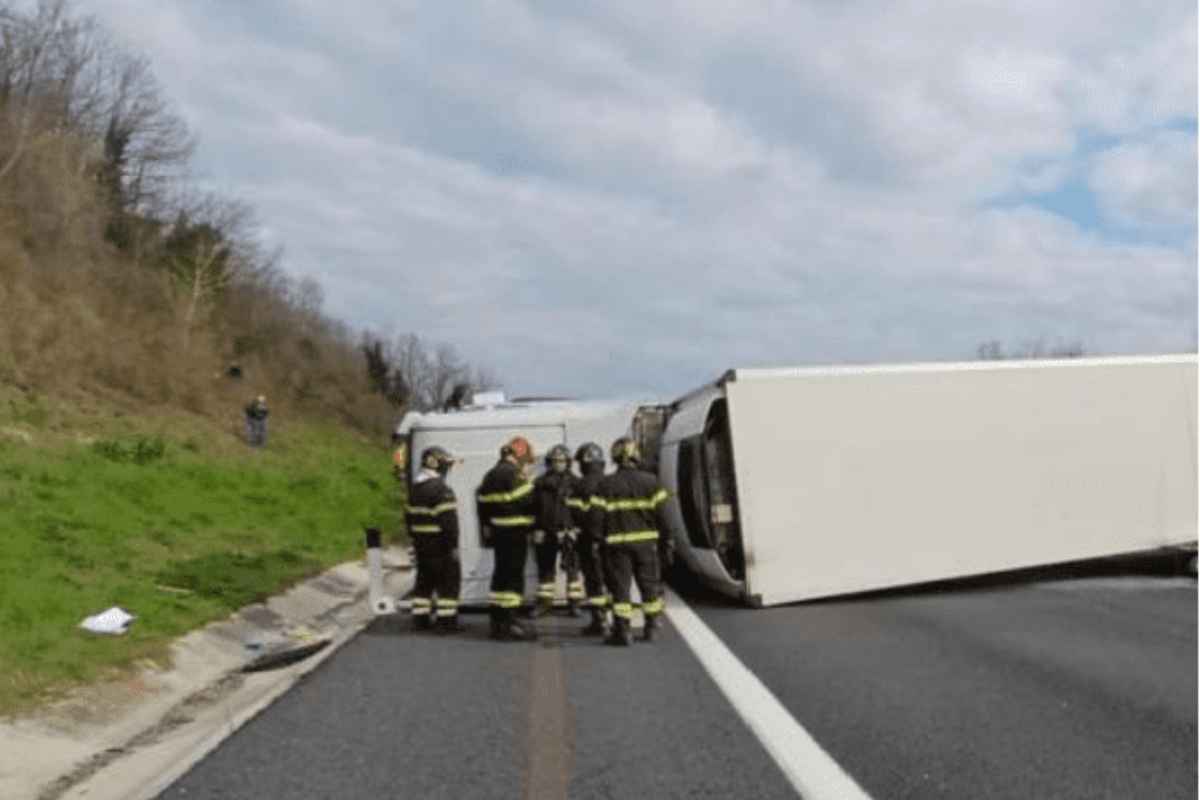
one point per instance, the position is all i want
(113, 621)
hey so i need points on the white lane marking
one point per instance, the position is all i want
(811, 771)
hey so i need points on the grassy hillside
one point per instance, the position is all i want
(165, 514)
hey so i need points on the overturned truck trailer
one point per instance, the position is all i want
(792, 484)
(475, 434)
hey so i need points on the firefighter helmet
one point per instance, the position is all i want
(437, 459)
(625, 450)
(519, 448)
(589, 453)
(558, 454)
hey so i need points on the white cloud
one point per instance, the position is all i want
(1149, 182)
(605, 197)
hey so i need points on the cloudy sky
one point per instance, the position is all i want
(602, 198)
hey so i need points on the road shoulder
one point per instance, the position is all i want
(123, 739)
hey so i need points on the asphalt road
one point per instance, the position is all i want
(1079, 688)
(398, 714)
(1066, 689)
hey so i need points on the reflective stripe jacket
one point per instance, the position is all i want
(432, 514)
(628, 506)
(580, 501)
(553, 490)
(505, 499)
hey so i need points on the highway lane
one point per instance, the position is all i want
(1057, 688)
(1068, 689)
(399, 714)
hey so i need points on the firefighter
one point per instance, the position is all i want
(628, 511)
(556, 532)
(506, 505)
(432, 518)
(590, 457)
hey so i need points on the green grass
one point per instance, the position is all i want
(176, 523)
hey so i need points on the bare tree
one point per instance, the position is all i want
(484, 379)
(202, 252)
(447, 370)
(145, 142)
(306, 298)
(993, 350)
(24, 47)
(378, 362)
(990, 350)
(414, 366)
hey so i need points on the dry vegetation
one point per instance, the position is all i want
(116, 277)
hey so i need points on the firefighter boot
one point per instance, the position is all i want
(517, 631)
(422, 622)
(573, 608)
(545, 605)
(449, 625)
(496, 616)
(596, 627)
(650, 627)
(620, 633)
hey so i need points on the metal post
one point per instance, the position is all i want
(380, 602)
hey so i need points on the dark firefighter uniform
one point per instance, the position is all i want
(588, 545)
(506, 506)
(628, 511)
(553, 490)
(432, 518)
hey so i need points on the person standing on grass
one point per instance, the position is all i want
(256, 422)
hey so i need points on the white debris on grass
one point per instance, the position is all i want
(113, 621)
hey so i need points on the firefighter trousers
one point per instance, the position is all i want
(628, 562)
(510, 548)
(547, 565)
(437, 574)
(569, 546)
(591, 564)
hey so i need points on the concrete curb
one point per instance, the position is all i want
(133, 738)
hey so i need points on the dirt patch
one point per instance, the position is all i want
(16, 434)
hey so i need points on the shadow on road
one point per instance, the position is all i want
(1171, 562)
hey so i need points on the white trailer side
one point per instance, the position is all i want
(476, 435)
(860, 478)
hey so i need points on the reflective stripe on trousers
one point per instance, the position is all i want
(631, 536)
(511, 522)
(504, 599)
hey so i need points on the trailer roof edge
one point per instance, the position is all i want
(758, 373)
